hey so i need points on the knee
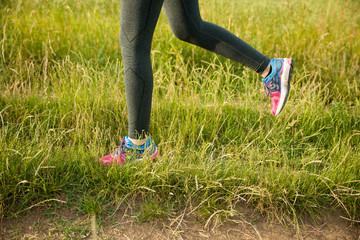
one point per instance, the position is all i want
(186, 32)
(182, 33)
(124, 40)
(135, 47)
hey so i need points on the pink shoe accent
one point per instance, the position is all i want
(155, 155)
(109, 160)
(275, 99)
(122, 159)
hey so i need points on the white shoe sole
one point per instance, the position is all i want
(285, 83)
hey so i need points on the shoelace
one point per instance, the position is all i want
(267, 91)
(120, 150)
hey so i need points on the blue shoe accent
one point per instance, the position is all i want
(130, 145)
(272, 81)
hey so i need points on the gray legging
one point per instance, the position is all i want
(137, 25)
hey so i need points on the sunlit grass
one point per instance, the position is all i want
(62, 106)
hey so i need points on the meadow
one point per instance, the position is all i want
(62, 106)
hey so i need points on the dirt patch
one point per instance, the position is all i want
(68, 224)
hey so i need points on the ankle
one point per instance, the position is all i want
(138, 142)
(267, 71)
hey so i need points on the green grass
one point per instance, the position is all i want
(62, 106)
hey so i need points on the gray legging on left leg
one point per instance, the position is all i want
(137, 25)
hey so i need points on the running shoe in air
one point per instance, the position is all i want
(129, 152)
(277, 83)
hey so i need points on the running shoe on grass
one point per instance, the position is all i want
(277, 83)
(129, 152)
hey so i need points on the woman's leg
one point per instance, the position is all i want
(137, 24)
(186, 23)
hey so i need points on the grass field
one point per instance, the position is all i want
(62, 106)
